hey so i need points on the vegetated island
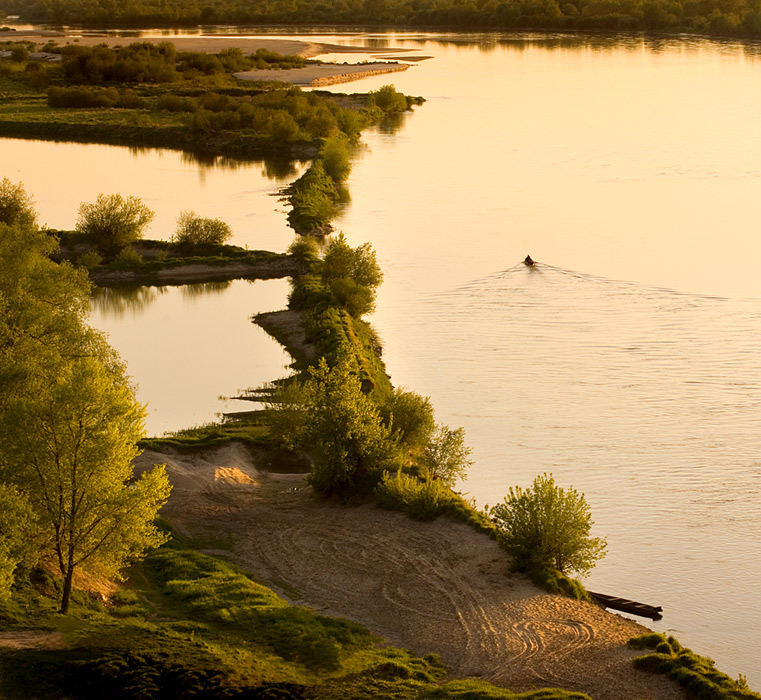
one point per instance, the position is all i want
(150, 94)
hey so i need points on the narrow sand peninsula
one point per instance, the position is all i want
(323, 73)
(431, 587)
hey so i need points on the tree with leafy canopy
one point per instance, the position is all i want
(446, 457)
(71, 449)
(69, 422)
(410, 416)
(352, 275)
(18, 535)
(196, 230)
(548, 526)
(338, 426)
(16, 206)
(113, 221)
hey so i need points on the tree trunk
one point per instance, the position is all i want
(66, 591)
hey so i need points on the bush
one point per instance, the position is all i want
(19, 54)
(446, 457)
(389, 100)
(548, 526)
(421, 500)
(16, 206)
(194, 230)
(113, 222)
(128, 257)
(89, 259)
(335, 158)
(410, 416)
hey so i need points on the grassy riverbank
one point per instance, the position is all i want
(154, 96)
(186, 624)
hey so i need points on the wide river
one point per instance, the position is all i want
(627, 362)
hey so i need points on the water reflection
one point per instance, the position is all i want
(118, 301)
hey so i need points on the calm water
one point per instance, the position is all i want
(606, 160)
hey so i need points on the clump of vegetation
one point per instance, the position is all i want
(16, 206)
(698, 675)
(136, 63)
(113, 222)
(89, 97)
(548, 526)
(340, 425)
(195, 230)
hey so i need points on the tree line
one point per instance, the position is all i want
(716, 17)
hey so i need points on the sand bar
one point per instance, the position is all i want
(429, 586)
(323, 73)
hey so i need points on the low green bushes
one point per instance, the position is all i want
(698, 675)
(89, 97)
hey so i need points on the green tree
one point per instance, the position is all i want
(338, 426)
(17, 535)
(547, 525)
(42, 310)
(352, 275)
(446, 457)
(16, 206)
(410, 416)
(70, 449)
(195, 230)
(113, 221)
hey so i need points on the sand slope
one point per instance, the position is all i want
(431, 587)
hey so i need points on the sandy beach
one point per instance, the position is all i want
(431, 587)
(323, 73)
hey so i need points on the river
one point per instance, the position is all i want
(627, 362)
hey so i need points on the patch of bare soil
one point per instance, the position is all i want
(430, 587)
(31, 639)
(288, 327)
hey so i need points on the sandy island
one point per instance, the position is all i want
(430, 587)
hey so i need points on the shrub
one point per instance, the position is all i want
(19, 54)
(113, 222)
(389, 100)
(89, 259)
(410, 416)
(446, 457)
(548, 526)
(128, 257)
(16, 206)
(194, 230)
(335, 158)
(421, 500)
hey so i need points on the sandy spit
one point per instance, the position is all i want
(430, 587)
(323, 74)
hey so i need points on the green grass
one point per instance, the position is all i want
(190, 625)
(698, 675)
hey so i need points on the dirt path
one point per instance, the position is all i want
(431, 587)
(31, 639)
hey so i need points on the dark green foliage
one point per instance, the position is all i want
(739, 18)
(136, 63)
(696, 674)
(314, 200)
(92, 97)
(410, 416)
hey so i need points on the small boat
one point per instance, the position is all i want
(528, 262)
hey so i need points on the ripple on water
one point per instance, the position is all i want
(645, 399)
